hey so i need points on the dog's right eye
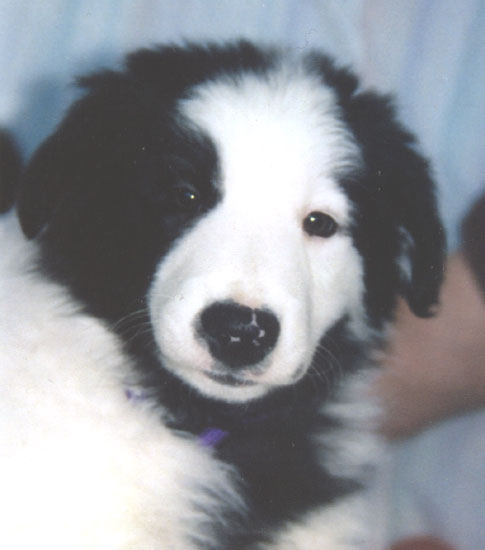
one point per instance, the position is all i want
(186, 198)
(319, 224)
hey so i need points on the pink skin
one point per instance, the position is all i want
(421, 543)
(435, 368)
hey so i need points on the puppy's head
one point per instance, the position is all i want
(241, 204)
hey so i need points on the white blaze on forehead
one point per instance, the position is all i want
(281, 147)
(277, 135)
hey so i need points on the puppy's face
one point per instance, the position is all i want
(241, 300)
(229, 209)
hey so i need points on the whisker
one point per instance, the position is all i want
(132, 317)
(331, 372)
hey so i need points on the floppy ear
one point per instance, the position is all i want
(425, 250)
(400, 179)
(96, 128)
(42, 186)
(10, 168)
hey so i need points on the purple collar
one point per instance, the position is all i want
(210, 437)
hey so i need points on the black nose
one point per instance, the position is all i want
(237, 335)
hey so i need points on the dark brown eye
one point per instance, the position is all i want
(319, 224)
(186, 198)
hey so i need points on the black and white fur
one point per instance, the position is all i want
(216, 239)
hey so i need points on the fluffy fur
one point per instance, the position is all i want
(217, 236)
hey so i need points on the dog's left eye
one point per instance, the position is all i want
(319, 224)
(186, 197)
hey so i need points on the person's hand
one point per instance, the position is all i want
(435, 367)
(421, 543)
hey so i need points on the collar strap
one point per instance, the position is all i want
(210, 437)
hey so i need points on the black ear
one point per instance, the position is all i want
(399, 179)
(10, 167)
(42, 185)
(417, 214)
(95, 132)
(424, 252)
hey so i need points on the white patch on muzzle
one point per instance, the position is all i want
(280, 146)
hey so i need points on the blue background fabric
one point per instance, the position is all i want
(429, 53)
(438, 483)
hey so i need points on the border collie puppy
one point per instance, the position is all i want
(213, 243)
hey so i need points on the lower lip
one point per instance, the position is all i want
(228, 380)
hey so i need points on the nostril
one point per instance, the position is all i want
(238, 335)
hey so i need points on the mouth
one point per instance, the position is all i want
(229, 380)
